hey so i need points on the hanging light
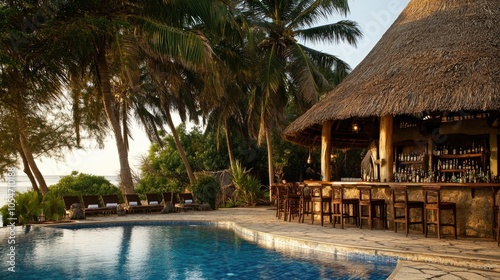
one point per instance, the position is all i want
(355, 127)
(309, 159)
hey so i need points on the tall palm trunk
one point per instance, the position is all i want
(270, 158)
(229, 146)
(26, 151)
(178, 144)
(127, 184)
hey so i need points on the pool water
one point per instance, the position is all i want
(161, 251)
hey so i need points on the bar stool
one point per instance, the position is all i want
(433, 204)
(292, 200)
(341, 207)
(496, 216)
(372, 206)
(323, 202)
(401, 207)
(305, 205)
(281, 192)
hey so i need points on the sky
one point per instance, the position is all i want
(373, 16)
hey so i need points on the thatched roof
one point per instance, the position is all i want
(439, 55)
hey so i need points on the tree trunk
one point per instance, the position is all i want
(270, 159)
(178, 144)
(23, 140)
(126, 182)
(27, 171)
(229, 147)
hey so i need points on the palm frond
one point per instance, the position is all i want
(342, 31)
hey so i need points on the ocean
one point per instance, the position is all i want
(21, 183)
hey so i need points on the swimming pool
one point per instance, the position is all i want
(167, 251)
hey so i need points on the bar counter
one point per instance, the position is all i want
(476, 202)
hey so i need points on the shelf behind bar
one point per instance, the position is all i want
(460, 156)
(388, 184)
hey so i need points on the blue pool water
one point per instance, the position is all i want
(166, 251)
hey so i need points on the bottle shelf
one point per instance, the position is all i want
(460, 156)
(412, 162)
(452, 170)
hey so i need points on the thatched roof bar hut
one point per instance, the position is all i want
(439, 57)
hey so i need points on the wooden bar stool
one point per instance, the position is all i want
(375, 208)
(433, 204)
(292, 200)
(341, 207)
(401, 209)
(281, 192)
(305, 205)
(495, 225)
(321, 204)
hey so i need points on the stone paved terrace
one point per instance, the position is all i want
(419, 257)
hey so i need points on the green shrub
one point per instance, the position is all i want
(248, 191)
(26, 209)
(84, 184)
(206, 189)
(53, 207)
(29, 206)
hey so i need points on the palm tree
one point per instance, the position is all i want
(90, 33)
(189, 84)
(287, 69)
(30, 80)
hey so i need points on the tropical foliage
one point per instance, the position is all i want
(30, 205)
(206, 190)
(243, 66)
(83, 184)
(163, 170)
(248, 188)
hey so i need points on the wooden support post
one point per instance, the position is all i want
(326, 149)
(494, 151)
(386, 148)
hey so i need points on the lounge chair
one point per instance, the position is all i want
(110, 201)
(70, 200)
(92, 205)
(186, 202)
(170, 196)
(134, 204)
(154, 202)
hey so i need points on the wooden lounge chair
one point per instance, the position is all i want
(92, 205)
(170, 196)
(134, 204)
(70, 200)
(186, 202)
(154, 202)
(110, 201)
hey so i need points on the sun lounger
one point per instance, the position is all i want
(186, 202)
(170, 196)
(92, 205)
(134, 204)
(154, 202)
(70, 200)
(110, 201)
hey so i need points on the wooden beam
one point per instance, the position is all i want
(494, 151)
(386, 148)
(326, 149)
